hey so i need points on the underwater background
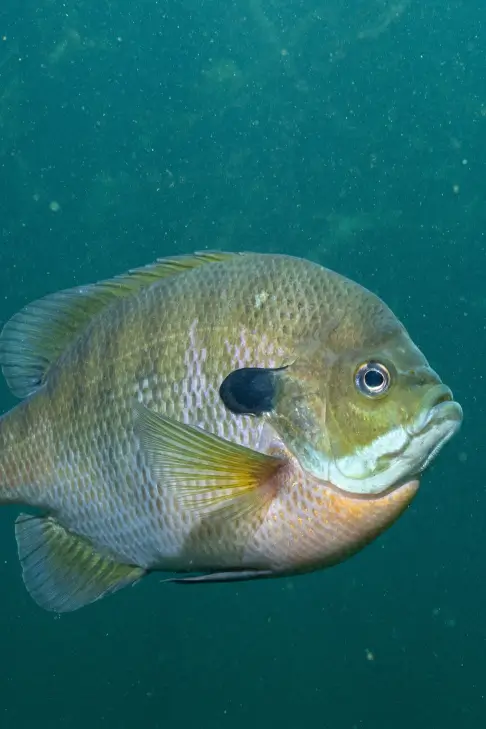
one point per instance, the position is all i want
(349, 132)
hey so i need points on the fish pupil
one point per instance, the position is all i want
(374, 379)
(249, 391)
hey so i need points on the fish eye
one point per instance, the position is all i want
(249, 390)
(372, 379)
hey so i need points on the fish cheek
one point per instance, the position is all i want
(299, 417)
(360, 421)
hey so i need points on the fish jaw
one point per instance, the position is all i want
(317, 526)
(393, 457)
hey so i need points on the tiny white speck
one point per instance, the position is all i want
(260, 299)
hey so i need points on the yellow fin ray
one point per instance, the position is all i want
(210, 475)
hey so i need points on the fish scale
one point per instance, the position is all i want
(124, 439)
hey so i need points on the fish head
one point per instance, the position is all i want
(361, 407)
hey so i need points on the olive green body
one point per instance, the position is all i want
(71, 448)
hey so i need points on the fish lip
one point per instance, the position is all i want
(438, 406)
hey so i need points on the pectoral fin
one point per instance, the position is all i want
(61, 571)
(208, 473)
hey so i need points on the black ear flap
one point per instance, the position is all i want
(250, 390)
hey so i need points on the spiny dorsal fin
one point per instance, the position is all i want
(62, 571)
(37, 335)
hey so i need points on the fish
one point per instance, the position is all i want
(214, 417)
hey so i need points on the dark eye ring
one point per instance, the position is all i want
(372, 379)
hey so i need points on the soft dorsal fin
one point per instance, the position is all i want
(34, 338)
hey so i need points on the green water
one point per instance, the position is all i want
(349, 132)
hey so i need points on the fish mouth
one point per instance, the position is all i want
(439, 421)
(438, 409)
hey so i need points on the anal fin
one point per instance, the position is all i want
(61, 571)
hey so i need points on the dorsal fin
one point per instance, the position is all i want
(34, 338)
